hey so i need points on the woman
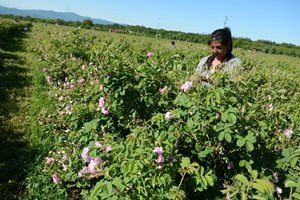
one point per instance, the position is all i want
(221, 58)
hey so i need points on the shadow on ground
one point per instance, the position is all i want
(15, 82)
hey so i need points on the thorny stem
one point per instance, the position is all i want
(291, 192)
(181, 180)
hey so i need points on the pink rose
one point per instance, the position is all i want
(186, 86)
(168, 116)
(55, 178)
(150, 54)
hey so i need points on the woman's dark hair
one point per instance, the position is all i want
(224, 36)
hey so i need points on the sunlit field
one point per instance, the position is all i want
(116, 116)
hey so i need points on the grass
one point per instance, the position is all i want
(15, 94)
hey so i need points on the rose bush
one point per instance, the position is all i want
(132, 125)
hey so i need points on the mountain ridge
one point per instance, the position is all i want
(49, 14)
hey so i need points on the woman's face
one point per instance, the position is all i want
(218, 50)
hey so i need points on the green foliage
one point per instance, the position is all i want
(87, 23)
(230, 134)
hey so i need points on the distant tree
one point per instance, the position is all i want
(87, 23)
(266, 50)
(60, 21)
(273, 50)
(292, 53)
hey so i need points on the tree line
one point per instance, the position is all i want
(265, 46)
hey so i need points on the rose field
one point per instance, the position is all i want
(103, 115)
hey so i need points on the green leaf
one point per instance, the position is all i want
(185, 162)
(210, 180)
(249, 146)
(296, 195)
(205, 153)
(190, 123)
(233, 110)
(219, 127)
(224, 116)
(89, 126)
(105, 80)
(96, 190)
(242, 163)
(175, 193)
(242, 179)
(294, 161)
(118, 183)
(122, 93)
(290, 184)
(233, 99)
(232, 118)
(193, 167)
(258, 197)
(240, 142)
(208, 97)
(218, 97)
(109, 188)
(228, 137)
(221, 136)
(250, 137)
(254, 174)
(183, 100)
(264, 186)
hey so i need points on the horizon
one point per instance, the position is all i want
(276, 24)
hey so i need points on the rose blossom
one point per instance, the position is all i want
(168, 116)
(85, 154)
(65, 157)
(160, 159)
(105, 111)
(158, 150)
(85, 170)
(163, 90)
(94, 164)
(61, 98)
(278, 190)
(288, 132)
(49, 160)
(98, 144)
(55, 178)
(270, 107)
(101, 87)
(108, 148)
(81, 81)
(186, 86)
(102, 102)
(150, 54)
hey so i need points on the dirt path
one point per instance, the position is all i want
(15, 95)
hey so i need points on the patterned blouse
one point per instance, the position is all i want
(232, 65)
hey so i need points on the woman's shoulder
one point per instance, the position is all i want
(204, 60)
(235, 60)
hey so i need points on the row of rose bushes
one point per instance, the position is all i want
(10, 28)
(124, 121)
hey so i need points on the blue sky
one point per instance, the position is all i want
(274, 20)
